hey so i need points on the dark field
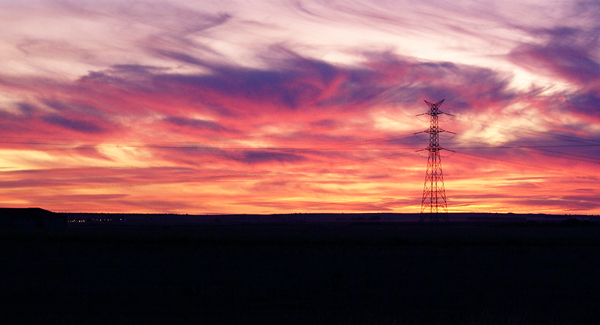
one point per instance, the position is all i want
(302, 274)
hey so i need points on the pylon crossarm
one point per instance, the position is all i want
(438, 130)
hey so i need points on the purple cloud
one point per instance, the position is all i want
(263, 156)
(74, 124)
(567, 53)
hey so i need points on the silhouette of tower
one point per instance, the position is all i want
(434, 194)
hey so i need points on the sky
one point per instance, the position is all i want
(299, 106)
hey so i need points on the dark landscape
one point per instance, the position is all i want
(303, 269)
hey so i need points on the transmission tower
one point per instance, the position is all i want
(434, 194)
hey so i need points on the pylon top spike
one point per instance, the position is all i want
(436, 105)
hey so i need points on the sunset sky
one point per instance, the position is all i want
(294, 106)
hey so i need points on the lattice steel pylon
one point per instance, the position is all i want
(434, 193)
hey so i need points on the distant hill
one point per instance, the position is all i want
(31, 218)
